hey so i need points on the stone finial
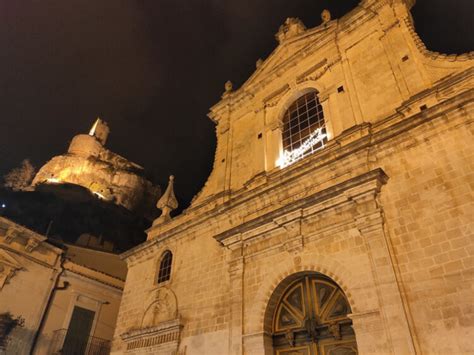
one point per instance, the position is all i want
(325, 16)
(292, 27)
(167, 202)
(228, 88)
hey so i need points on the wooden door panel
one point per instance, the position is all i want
(302, 350)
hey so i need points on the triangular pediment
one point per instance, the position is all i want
(6, 258)
(286, 51)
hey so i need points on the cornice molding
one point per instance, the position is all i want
(320, 201)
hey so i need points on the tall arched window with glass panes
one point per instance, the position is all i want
(164, 272)
(304, 129)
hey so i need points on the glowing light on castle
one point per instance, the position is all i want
(290, 157)
(53, 181)
(92, 131)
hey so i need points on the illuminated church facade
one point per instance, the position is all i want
(338, 217)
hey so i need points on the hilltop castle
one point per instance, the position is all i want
(107, 175)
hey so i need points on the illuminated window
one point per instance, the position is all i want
(304, 130)
(165, 267)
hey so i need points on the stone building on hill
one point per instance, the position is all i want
(107, 175)
(338, 218)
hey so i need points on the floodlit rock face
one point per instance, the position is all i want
(106, 174)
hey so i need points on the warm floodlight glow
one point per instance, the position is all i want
(92, 131)
(290, 157)
(53, 181)
(99, 195)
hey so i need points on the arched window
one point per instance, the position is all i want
(164, 273)
(304, 130)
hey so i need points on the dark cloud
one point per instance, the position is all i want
(151, 68)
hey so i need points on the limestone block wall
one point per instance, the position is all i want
(28, 268)
(385, 209)
(429, 209)
(365, 66)
(200, 284)
(399, 247)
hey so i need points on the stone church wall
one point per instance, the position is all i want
(385, 209)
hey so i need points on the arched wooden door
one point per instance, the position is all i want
(311, 319)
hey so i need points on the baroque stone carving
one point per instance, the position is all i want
(325, 16)
(167, 202)
(31, 244)
(161, 307)
(292, 27)
(228, 86)
(10, 235)
(161, 326)
(8, 267)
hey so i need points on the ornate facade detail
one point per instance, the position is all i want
(167, 203)
(164, 336)
(161, 324)
(8, 267)
(161, 307)
(292, 27)
(10, 235)
(306, 255)
(325, 16)
(228, 86)
(31, 244)
(273, 99)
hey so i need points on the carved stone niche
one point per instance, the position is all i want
(161, 325)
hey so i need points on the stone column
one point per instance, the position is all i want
(236, 272)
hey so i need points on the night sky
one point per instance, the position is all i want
(152, 69)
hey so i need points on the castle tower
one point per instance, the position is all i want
(100, 130)
(105, 174)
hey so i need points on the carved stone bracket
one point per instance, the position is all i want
(10, 235)
(31, 244)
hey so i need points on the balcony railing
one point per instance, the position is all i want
(70, 344)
